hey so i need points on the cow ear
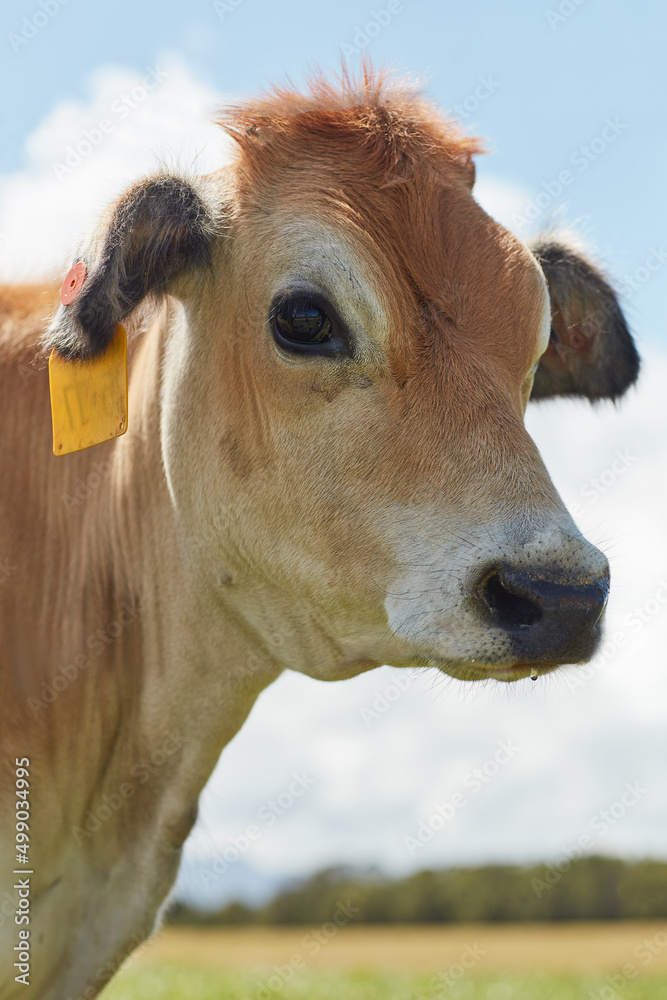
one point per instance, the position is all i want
(591, 352)
(159, 228)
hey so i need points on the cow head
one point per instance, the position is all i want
(350, 345)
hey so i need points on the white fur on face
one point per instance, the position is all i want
(430, 603)
(544, 331)
(543, 336)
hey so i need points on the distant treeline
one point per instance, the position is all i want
(589, 888)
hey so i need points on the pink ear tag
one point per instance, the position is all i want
(73, 283)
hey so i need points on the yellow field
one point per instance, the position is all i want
(578, 949)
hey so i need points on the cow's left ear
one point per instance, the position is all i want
(158, 230)
(591, 352)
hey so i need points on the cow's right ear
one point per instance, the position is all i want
(159, 229)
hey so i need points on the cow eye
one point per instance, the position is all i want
(301, 322)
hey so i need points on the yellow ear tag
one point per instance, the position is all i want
(89, 398)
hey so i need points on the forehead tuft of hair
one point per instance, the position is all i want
(384, 117)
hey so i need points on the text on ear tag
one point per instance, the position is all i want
(89, 398)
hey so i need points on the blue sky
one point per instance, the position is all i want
(581, 92)
(558, 78)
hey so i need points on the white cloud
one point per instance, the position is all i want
(579, 744)
(84, 153)
(502, 200)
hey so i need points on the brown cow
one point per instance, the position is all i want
(326, 469)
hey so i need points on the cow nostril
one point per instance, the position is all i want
(510, 610)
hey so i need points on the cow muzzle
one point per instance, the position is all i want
(549, 616)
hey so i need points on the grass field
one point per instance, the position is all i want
(463, 962)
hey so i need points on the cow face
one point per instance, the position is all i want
(351, 344)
